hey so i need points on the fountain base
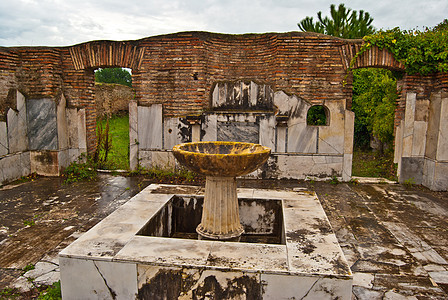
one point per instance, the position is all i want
(220, 215)
(115, 260)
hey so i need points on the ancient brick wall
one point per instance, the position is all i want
(179, 70)
(112, 98)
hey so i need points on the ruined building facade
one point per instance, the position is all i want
(195, 86)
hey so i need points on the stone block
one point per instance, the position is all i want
(398, 142)
(45, 162)
(3, 139)
(267, 131)
(349, 131)
(133, 135)
(63, 159)
(428, 173)
(14, 166)
(442, 146)
(347, 167)
(81, 279)
(411, 169)
(303, 166)
(419, 138)
(210, 127)
(432, 135)
(238, 132)
(171, 133)
(42, 124)
(17, 131)
(302, 138)
(440, 182)
(150, 127)
(277, 286)
(163, 159)
(62, 126)
(82, 136)
(281, 140)
(72, 127)
(145, 158)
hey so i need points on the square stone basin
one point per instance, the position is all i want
(143, 250)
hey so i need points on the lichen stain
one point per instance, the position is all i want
(166, 285)
(171, 284)
(244, 287)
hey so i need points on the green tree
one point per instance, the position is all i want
(113, 75)
(344, 23)
(374, 90)
(374, 101)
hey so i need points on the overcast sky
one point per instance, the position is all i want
(69, 22)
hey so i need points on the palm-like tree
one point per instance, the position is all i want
(344, 23)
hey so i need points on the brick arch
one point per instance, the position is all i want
(98, 54)
(372, 58)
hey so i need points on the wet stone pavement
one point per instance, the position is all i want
(395, 237)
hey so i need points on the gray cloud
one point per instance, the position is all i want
(67, 22)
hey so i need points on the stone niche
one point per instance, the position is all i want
(246, 111)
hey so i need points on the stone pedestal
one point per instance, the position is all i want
(220, 215)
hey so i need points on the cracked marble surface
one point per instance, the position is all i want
(310, 252)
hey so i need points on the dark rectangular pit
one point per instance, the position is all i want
(262, 220)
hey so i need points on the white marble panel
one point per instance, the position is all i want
(163, 159)
(72, 127)
(347, 167)
(302, 138)
(408, 129)
(150, 127)
(304, 287)
(82, 133)
(398, 142)
(14, 166)
(428, 173)
(133, 135)
(166, 252)
(63, 159)
(303, 166)
(442, 146)
(62, 128)
(440, 177)
(109, 236)
(17, 133)
(88, 279)
(3, 139)
(419, 138)
(210, 127)
(253, 93)
(349, 131)
(196, 133)
(281, 139)
(245, 256)
(171, 133)
(267, 132)
(42, 124)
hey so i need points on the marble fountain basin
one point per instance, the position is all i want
(114, 260)
(222, 159)
(221, 162)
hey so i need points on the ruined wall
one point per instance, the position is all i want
(421, 148)
(112, 98)
(174, 77)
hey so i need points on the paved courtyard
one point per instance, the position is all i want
(395, 237)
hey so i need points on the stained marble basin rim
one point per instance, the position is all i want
(206, 157)
(115, 239)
